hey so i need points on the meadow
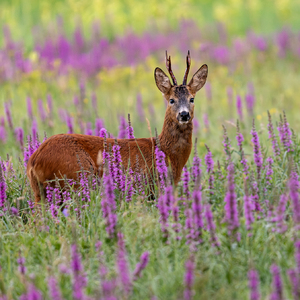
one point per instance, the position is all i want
(230, 229)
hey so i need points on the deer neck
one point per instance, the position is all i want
(176, 142)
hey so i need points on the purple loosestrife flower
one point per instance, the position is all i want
(122, 265)
(98, 125)
(294, 279)
(139, 107)
(54, 291)
(239, 106)
(103, 133)
(69, 121)
(29, 108)
(42, 112)
(2, 133)
(206, 122)
(122, 128)
(161, 166)
(283, 42)
(2, 188)
(197, 211)
(209, 161)
(211, 227)
(287, 141)
(231, 211)
(272, 136)
(253, 284)
(269, 171)
(79, 281)
(297, 256)
(280, 214)
(189, 225)
(19, 135)
(130, 133)
(129, 185)
(248, 210)
(239, 136)
(255, 193)
(8, 115)
(164, 213)
(32, 293)
(250, 99)
(21, 265)
(196, 167)
(189, 278)
(88, 130)
(258, 160)
(186, 180)
(294, 195)
(277, 292)
(141, 265)
(108, 204)
(210, 166)
(226, 144)
(117, 165)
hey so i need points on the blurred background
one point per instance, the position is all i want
(67, 66)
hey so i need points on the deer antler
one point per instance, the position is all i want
(168, 64)
(188, 64)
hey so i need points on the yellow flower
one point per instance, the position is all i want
(258, 117)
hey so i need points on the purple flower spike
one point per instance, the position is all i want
(209, 161)
(211, 227)
(197, 211)
(2, 188)
(8, 115)
(294, 279)
(141, 265)
(122, 265)
(189, 278)
(239, 107)
(280, 214)
(253, 285)
(258, 160)
(79, 281)
(186, 180)
(69, 121)
(130, 129)
(196, 168)
(42, 112)
(21, 263)
(269, 171)
(231, 212)
(226, 144)
(54, 291)
(248, 210)
(122, 128)
(161, 166)
(164, 213)
(277, 293)
(294, 195)
(272, 136)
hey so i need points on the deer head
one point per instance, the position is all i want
(180, 98)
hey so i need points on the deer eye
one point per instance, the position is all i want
(192, 100)
(172, 101)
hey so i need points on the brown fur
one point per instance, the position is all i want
(59, 156)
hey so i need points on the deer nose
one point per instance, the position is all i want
(184, 116)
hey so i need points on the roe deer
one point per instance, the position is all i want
(64, 155)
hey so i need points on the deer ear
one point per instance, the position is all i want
(162, 81)
(199, 79)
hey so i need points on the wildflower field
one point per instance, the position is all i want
(230, 229)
